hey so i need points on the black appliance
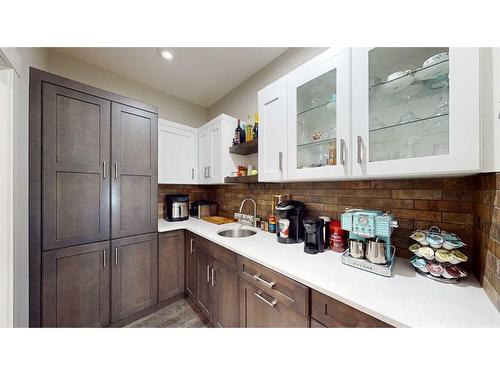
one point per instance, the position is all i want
(290, 215)
(313, 242)
(202, 208)
(176, 207)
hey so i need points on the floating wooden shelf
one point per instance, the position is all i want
(246, 148)
(241, 180)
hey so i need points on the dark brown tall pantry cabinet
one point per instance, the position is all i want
(92, 206)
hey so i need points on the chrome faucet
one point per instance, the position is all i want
(247, 219)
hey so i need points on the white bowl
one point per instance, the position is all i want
(436, 58)
(397, 85)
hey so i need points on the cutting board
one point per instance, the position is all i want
(218, 220)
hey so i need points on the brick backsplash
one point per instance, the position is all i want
(467, 206)
(487, 234)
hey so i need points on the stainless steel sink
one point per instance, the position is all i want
(237, 232)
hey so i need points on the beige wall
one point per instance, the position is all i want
(170, 107)
(242, 101)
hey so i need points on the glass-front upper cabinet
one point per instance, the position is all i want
(319, 119)
(415, 110)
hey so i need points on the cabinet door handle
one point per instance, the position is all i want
(208, 273)
(208, 170)
(359, 141)
(259, 296)
(104, 253)
(116, 255)
(270, 285)
(280, 159)
(116, 170)
(192, 173)
(342, 152)
(205, 172)
(213, 276)
(104, 169)
(192, 249)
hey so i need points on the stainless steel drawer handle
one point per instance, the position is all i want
(116, 170)
(104, 256)
(104, 169)
(192, 248)
(213, 276)
(270, 285)
(208, 273)
(259, 296)
(116, 255)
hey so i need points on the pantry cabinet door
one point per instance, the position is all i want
(412, 118)
(319, 101)
(134, 179)
(75, 167)
(177, 153)
(273, 132)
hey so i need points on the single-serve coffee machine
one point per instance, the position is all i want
(313, 242)
(370, 246)
(290, 215)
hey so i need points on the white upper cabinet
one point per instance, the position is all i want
(319, 119)
(273, 132)
(415, 111)
(177, 153)
(214, 140)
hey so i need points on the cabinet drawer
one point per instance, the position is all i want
(259, 309)
(333, 313)
(287, 291)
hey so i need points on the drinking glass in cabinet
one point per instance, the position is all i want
(316, 122)
(408, 103)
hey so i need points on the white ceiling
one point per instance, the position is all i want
(198, 75)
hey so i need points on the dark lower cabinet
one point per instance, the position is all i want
(75, 286)
(134, 275)
(170, 264)
(191, 276)
(261, 309)
(225, 282)
(332, 313)
(204, 291)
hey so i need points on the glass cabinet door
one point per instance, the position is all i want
(415, 110)
(408, 103)
(319, 121)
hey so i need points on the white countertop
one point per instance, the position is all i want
(405, 300)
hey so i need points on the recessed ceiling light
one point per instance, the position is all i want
(166, 54)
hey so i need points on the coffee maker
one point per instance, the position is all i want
(290, 215)
(313, 242)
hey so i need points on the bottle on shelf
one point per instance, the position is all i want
(255, 130)
(248, 129)
(237, 134)
(242, 132)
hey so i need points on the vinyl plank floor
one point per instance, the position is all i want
(180, 314)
